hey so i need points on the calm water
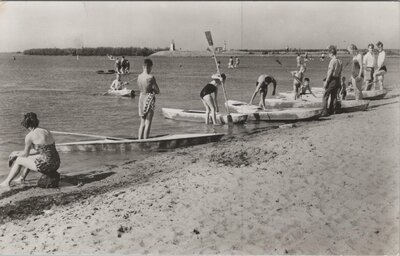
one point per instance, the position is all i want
(66, 93)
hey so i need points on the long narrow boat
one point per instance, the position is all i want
(283, 114)
(123, 92)
(369, 95)
(318, 91)
(312, 102)
(199, 116)
(152, 144)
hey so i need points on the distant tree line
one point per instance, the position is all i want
(98, 51)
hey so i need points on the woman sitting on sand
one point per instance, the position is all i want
(148, 89)
(209, 97)
(39, 155)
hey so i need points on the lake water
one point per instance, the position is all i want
(66, 93)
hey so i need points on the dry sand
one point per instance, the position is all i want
(324, 187)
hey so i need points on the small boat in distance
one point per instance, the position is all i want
(122, 93)
(108, 72)
(200, 116)
(159, 143)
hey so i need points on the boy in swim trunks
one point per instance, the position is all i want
(262, 87)
(148, 88)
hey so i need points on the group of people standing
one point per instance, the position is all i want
(233, 63)
(122, 64)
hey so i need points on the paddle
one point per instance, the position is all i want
(210, 43)
(296, 78)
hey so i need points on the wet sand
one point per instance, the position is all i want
(324, 187)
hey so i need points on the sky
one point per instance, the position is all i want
(243, 25)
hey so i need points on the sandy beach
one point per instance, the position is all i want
(324, 187)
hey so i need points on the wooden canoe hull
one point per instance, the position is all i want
(319, 92)
(152, 144)
(200, 116)
(122, 93)
(369, 95)
(288, 114)
(312, 102)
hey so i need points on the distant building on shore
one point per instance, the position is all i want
(172, 46)
(221, 49)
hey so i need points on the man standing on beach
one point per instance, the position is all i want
(369, 63)
(331, 83)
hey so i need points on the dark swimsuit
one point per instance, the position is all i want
(355, 69)
(208, 89)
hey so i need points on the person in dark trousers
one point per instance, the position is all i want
(332, 83)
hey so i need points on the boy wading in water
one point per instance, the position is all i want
(148, 89)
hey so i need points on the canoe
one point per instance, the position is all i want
(108, 72)
(310, 101)
(282, 114)
(319, 91)
(369, 95)
(200, 116)
(123, 93)
(152, 144)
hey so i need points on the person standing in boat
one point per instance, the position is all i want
(381, 67)
(331, 83)
(356, 71)
(124, 65)
(262, 87)
(209, 95)
(148, 89)
(40, 154)
(118, 66)
(369, 63)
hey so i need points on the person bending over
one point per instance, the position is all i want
(209, 95)
(262, 87)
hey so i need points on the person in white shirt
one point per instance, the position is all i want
(381, 67)
(369, 63)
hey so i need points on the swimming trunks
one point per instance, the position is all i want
(208, 89)
(383, 68)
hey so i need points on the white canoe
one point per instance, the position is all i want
(283, 114)
(369, 95)
(123, 93)
(319, 92)
(311, 102)
(200, 116)
(152, 144)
